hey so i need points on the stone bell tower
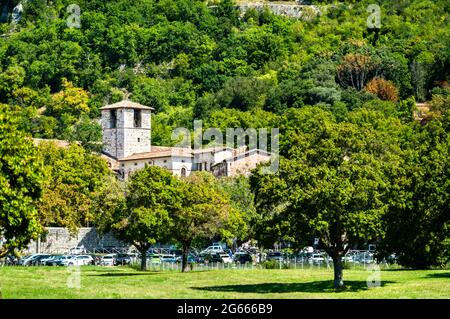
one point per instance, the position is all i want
(126, 129)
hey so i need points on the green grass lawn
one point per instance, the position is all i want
(118, 282)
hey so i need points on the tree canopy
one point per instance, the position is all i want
(21, 185)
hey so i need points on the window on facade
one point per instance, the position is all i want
(113, 119)
(137, 118)
(183, 172)
(139, 140)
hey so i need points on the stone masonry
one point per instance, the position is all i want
(124, 139)
(59, 241)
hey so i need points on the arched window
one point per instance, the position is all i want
(183, 172)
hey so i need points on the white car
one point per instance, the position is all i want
(213, 249)
(79, 260)
(108, 260)
(317, 258)
(226, 258)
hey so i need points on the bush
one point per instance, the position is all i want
(270, 264)
(273, 264)
(347, 265)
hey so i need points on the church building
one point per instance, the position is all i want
(127, 147)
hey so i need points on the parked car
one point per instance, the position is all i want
(154, 258)
(31, 259)
(58, 261)
(108, 260)
(212, 249)
(49, 258)
(210, 258)
(242, 258)
(190, 259)
(275, 255)
(226, 258)
(168, 258)
(54, 260)
(79, 260)
(122, 259)
(37, 261)
(317, 259)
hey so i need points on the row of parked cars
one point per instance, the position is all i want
(74, 260)
(128, 258)
(212, 254)
(356, 257)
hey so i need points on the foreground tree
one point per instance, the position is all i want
(205, 212)
(242, 200)
(418, 223)
(73, 176)
(142, 217)
(21, 179)
(332, 181)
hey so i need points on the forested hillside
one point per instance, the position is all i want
(190, 61)
(356, 163)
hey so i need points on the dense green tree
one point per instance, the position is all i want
(72, 178)
(332, 183)
(417, 225)
(21, 185)
(11, 79)
(144, 216)
(242, 199)
(205, 212)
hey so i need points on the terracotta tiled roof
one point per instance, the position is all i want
(160, 151)
(126, 104)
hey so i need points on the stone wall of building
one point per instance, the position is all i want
(136, 139)
(243, 165)
(290, 10)
(59, 241)
(112, 141)
(125, 140)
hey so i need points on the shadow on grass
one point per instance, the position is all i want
(124, 274)
(439, 275)
(398, 269)
(313, 287)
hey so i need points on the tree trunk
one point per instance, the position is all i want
(338, 267)
(184, 258)
(144, 260)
